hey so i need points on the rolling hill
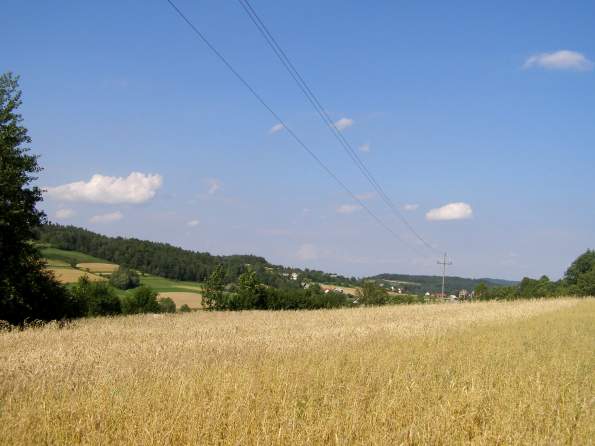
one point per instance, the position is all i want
(73, 245)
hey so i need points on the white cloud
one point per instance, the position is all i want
(193, 223)
(366, 196)
(348, 208)
(213, 185)
(307, 251)
(343, 123)
(560, 60)
(135, 188)
(276, 128)
(64, 214)
(106, 218)
(410, 207)
(451, 211)
(365, 148)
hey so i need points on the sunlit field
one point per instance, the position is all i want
(71, 275)
(518, 372)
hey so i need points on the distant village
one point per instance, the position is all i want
(395, 288)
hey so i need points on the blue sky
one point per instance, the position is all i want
(491, 106)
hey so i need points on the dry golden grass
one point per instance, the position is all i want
(98, 267)
(71, 275)
(193, 300)
(482, 373)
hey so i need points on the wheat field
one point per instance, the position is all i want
(478, 373)
(71, 275)
(193, 300)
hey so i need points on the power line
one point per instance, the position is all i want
(314, 101)
(300, 142)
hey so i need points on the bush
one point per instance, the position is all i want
(95, 298)
(185, 309)
(370, 294)
(142, 300)
(124, 278)
(303, 299)
(405, 299)
(166, 305)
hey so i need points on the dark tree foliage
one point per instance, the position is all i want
(250, 294)
(142, 300)
(371, 294)
(185, 309)
(214, 290)
(96, 298)
(26, 290)
(124, 278)
(582, 265)
(312, 298)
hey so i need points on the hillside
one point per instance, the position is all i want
(171, 262)
(69, 266)
(433, 284)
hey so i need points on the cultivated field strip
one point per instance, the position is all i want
(513, 373)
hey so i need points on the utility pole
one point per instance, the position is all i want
(444, 263)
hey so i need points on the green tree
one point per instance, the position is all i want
(185, 309)
(213, 293)
(371, 294)
(26, 290)
(124, 278)
(582, 265)
(251, 293)
(481, 290)
(142, 300)
(585, 284)
(96, 298)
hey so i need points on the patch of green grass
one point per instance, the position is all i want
(161, 284)
(69, 257)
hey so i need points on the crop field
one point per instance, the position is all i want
(193, 300)
(71, 275)
(519, 372)
(161, 284)
(97, 267)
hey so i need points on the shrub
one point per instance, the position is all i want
(142, 300)
(370, 294)
(303, 299)
(124, 278)
(185, 309)
(95, 298)
(166, 305)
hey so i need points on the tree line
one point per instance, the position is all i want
(579, 280)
